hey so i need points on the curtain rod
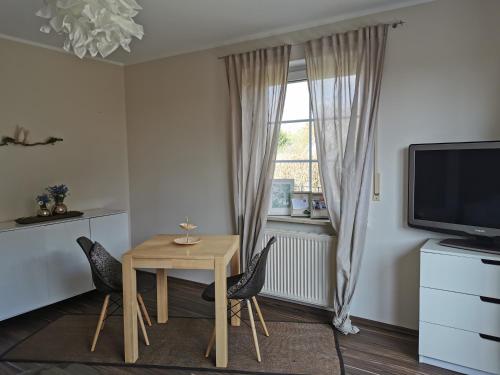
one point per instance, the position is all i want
(392, 24)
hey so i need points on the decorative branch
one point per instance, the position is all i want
(49, 141)
(21, 139)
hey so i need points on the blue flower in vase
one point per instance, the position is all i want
(43, 199)
(58, 193)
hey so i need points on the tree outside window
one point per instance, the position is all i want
(296, 157)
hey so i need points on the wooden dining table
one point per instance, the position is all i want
(214, 252)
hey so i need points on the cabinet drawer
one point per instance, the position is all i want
(460, 274)
(460, 347)
(464, 311)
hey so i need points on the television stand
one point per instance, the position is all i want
(459, 309)
(476, 244)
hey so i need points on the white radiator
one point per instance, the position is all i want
(300, 267)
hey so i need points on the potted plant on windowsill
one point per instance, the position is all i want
(58, 193)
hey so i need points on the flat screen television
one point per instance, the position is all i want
(455, 188)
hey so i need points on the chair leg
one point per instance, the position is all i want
(254, 332)
(143, 308)
(143, 327)
(261, 318)
(100, 322)
(252, 323)
(104, 320)
(210, 344)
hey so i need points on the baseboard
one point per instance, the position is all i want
(355, 319)
(318, 307)
(187, 281)
(385, 326)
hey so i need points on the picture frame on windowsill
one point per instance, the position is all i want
(281, 197)
(318, 206)
(301, 205)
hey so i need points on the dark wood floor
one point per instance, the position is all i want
(377, 349)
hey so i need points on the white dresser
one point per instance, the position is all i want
(41, 263)
(459, 326)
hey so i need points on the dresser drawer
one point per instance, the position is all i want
(460, 274)
(464, 311)
(460, 347)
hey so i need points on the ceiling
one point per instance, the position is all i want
(177, 26)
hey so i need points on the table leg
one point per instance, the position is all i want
(235, 304)
(220, 314)
(161, 295)
(129, 310)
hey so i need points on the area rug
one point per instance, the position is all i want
(292, 348)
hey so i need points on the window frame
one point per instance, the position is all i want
(298, 74)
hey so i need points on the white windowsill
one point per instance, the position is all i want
(298, 220)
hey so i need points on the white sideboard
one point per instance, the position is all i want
(41, 263)
(459, 326)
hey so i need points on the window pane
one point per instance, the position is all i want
(314, 155)
(316, 181)
(296, 171)
(296, 101)
(294, 141)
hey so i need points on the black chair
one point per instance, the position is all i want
(245, 287)
(107, 278)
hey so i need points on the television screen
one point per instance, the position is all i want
(457, 186)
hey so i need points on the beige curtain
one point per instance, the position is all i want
(344, 74)
(257, 85)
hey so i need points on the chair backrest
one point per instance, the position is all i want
(255, 280)
(106, 270)
(86, 245)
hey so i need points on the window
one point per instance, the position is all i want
(296, 157)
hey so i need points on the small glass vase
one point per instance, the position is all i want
(43, 211)
(59, 207)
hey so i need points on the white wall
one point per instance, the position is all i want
(82, 101)
(441, 83)
(178, 142)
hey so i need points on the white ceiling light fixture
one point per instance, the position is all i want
(93, 26)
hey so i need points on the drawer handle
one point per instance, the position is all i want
(490, 300)
(488, 337)
(492, 262)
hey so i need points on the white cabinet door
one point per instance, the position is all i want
(460, 310)
(480, 277)
(460, 347)
(112, 232)
(68, 269)
(23, 271)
